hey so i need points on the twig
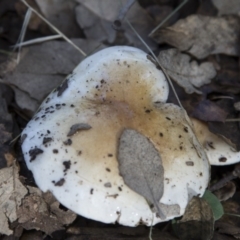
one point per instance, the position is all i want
(222, 97)
(37, 40)
(156, 59)
(221, 183)
(23, 32)
(169, 16)
(232, 120)
(55, 29)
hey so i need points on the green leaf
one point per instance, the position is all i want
(215, 204)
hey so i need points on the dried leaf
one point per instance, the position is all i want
(102, 14)
(209, 111)
(226, 191)
(45, 211)
(6, 126)
(11, 193)
(186, 73)
(60, 13)
(230, 131)
(93, 26)
(202, 35)
(43, 68)
(227, 7)
(197, 222)
(140, 165)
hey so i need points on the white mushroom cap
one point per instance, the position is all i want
(219, 150)
(71, 144)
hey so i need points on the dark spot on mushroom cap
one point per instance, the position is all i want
(67, 165)
(34, 152)
(190, 163)
(161, 134)
(46, 140)
(91, 191)
(185, 129)
(55, 151)
(108, 185)
(62, 88)
(59, 183)
(23, 137)
(108, 170)
(222, 159)
(119, 188)
(78, 127)
(110, 155)
(113, 195)
(148, 110)
(168, 118)
(68, 142)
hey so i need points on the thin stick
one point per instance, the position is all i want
(169, 16)
(37, 40)
(156, 59)
(23, 31)
(222, 97)
(232, 120)
(55, 29)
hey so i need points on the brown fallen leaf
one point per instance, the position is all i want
(230, 222)
(197, 222)
(116, 234)
(228, 130)
(35, 22)
(226, 191)
(188, 74)
(227, 7)
(12, 192)
(93, 26)
(142, 168)
(41, 211)
(203, 35)
(218, 236)
(60, 13)
(43, 68)
(108, 11)
(6, 126)
(208, 111)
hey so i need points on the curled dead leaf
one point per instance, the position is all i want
(203, 35)
(188, 74)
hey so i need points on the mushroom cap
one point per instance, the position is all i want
(71, 144)
(219, 151)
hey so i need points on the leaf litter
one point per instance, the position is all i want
(191, 43)
(186, 72)
(217, 35)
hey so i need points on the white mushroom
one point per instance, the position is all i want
(76, 143)
(218, 149)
